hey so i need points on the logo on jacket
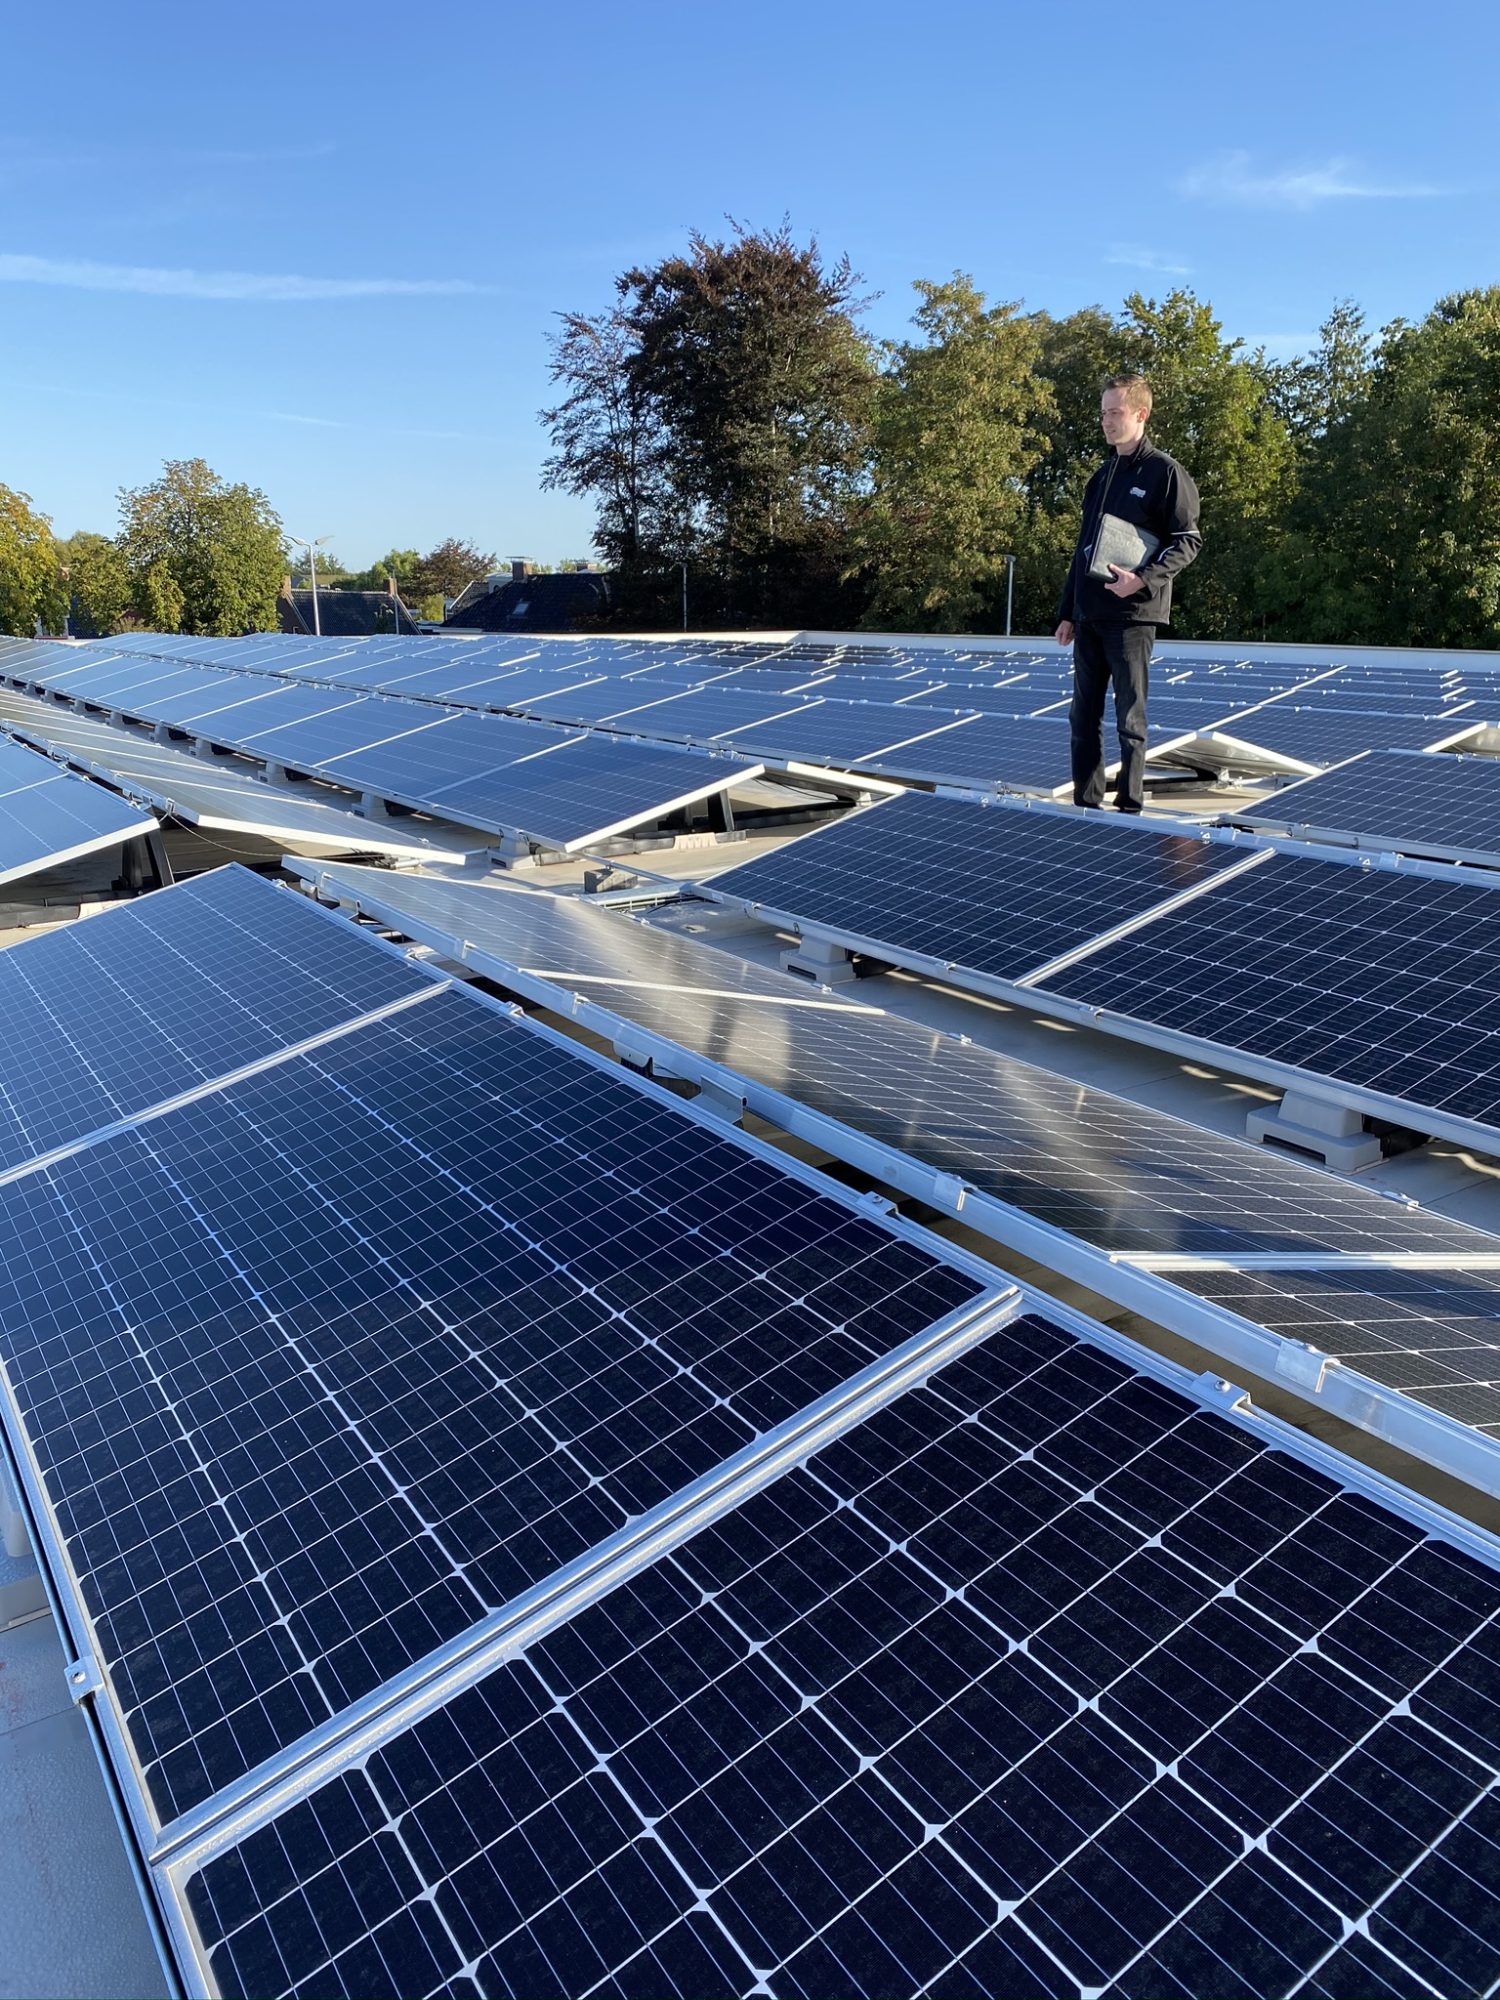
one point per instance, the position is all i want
(1138, 492)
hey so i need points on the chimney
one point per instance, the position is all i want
(391, 589)
(519, 571)
(286, 587)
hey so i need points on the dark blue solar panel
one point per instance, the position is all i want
(325, 734)
(1030, 754)
(322, 1367)
(1318, 738)
(462, 746)
(131, 685)
(61, 816)
(1400, 800)
(1372, 977)
(583, 788)
(1434, 1335)
(845, 732)
(1113, 1172)
(155, 996)
(997, 890)
(1041, 1682)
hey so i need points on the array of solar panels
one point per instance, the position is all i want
(1005, 1144)
(984, 719)
(560, 788)
(531, 1541)
(213, 795)
(48, 816)
(1383, 981)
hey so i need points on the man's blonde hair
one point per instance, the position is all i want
(1136, 387)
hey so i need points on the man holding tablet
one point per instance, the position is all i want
(1139, 528)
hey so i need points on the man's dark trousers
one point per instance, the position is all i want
(1107, 655)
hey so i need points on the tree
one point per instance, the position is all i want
(447, 569)
(1322, 388)
(95, 584)
(608, 438)
(397, 563)
(958, 428)
(1398, 520)
(30, 589)
(202, 555)
(1215, 409)
(719, 413)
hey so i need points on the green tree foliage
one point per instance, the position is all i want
(30, 589)
(608, 438)
(1396, 529)
(720, 413)
(202, 555)
(94, 583)
(960, 423)
(1215, 409)
(398, 563)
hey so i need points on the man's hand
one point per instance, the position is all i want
(1127, 582)
(1064, 633)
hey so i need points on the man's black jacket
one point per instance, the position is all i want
(1151, 490)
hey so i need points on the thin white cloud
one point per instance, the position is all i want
(254, 286)
(1138, 258)
(1232, 177)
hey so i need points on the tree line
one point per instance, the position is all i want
(731, 420)
(193, 553)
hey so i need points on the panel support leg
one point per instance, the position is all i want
(823, 963)
(1331, 1132)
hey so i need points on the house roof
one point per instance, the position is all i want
(552, 603)
(344, 614)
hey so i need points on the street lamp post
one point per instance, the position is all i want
(683, 567)
(312, 547)
(1010, 590)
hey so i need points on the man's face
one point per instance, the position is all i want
(1121, 424)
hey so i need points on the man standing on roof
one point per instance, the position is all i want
(1139, 528)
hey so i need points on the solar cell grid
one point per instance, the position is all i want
(1375, 978)
(320, 1369)
(106, 1018)
(579, 791)
(1114, 1173)
(1000, 891)
(1318, 739)
(1434, 1335)
(62, 816)
(1042, 1682)
(1403, 800)
(450, 760)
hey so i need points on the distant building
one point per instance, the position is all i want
(523, 601)
(344, 614)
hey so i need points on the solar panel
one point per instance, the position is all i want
(463, 765)
(154, 997)
(1382, 980)
(61, 819)
(848, 732)
(995, 890)
(1434, 1335)
(1044, 1680)
(1447, 806)
(1114, 1173)
(216, 796)
(1312, 740)
(584, 791)
(1036, 1161)
(321, 1369)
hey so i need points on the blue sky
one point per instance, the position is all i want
(321, 247)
